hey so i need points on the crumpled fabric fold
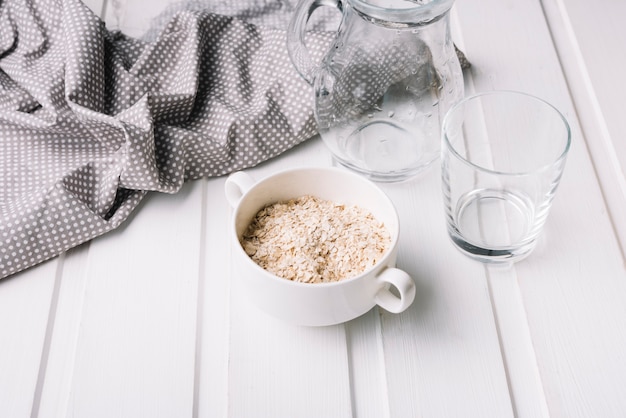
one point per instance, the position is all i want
(92, 120)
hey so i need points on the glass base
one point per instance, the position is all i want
(384, 177)
(498, 255)
(382, 149)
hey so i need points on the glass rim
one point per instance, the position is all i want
(418, 13)
(539, 168)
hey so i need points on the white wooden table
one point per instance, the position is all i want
(159, 333)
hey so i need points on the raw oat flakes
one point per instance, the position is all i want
(312, 240)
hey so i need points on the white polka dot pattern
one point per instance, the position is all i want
(90, 120)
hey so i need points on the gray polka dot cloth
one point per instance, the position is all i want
(91, 120)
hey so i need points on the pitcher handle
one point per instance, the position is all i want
(296, 31)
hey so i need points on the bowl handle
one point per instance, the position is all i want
(403, 283)
(237, 184)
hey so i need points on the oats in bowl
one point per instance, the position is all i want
(312, 240)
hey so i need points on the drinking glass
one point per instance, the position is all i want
(503, 154)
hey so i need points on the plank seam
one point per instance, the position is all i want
(200, 301)
(383, 369)
(503, 350)
(45, 351)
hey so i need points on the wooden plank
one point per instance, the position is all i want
(590, 81)
(522, 375)
(573, 285)
(368, 378)
(442, 355)
(65, 331)
(280, 370)
(135, 352)
(212, 355)
(446, 345)
(599, 35)
(525, 386)
(28, 304)
(26, 300)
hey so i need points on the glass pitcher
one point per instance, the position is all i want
(383, 87)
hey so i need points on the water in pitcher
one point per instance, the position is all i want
(397, 136)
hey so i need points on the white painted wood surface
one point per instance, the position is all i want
(160, 332)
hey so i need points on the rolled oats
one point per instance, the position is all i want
(308, 239)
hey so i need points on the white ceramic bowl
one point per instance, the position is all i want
(316, 304)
